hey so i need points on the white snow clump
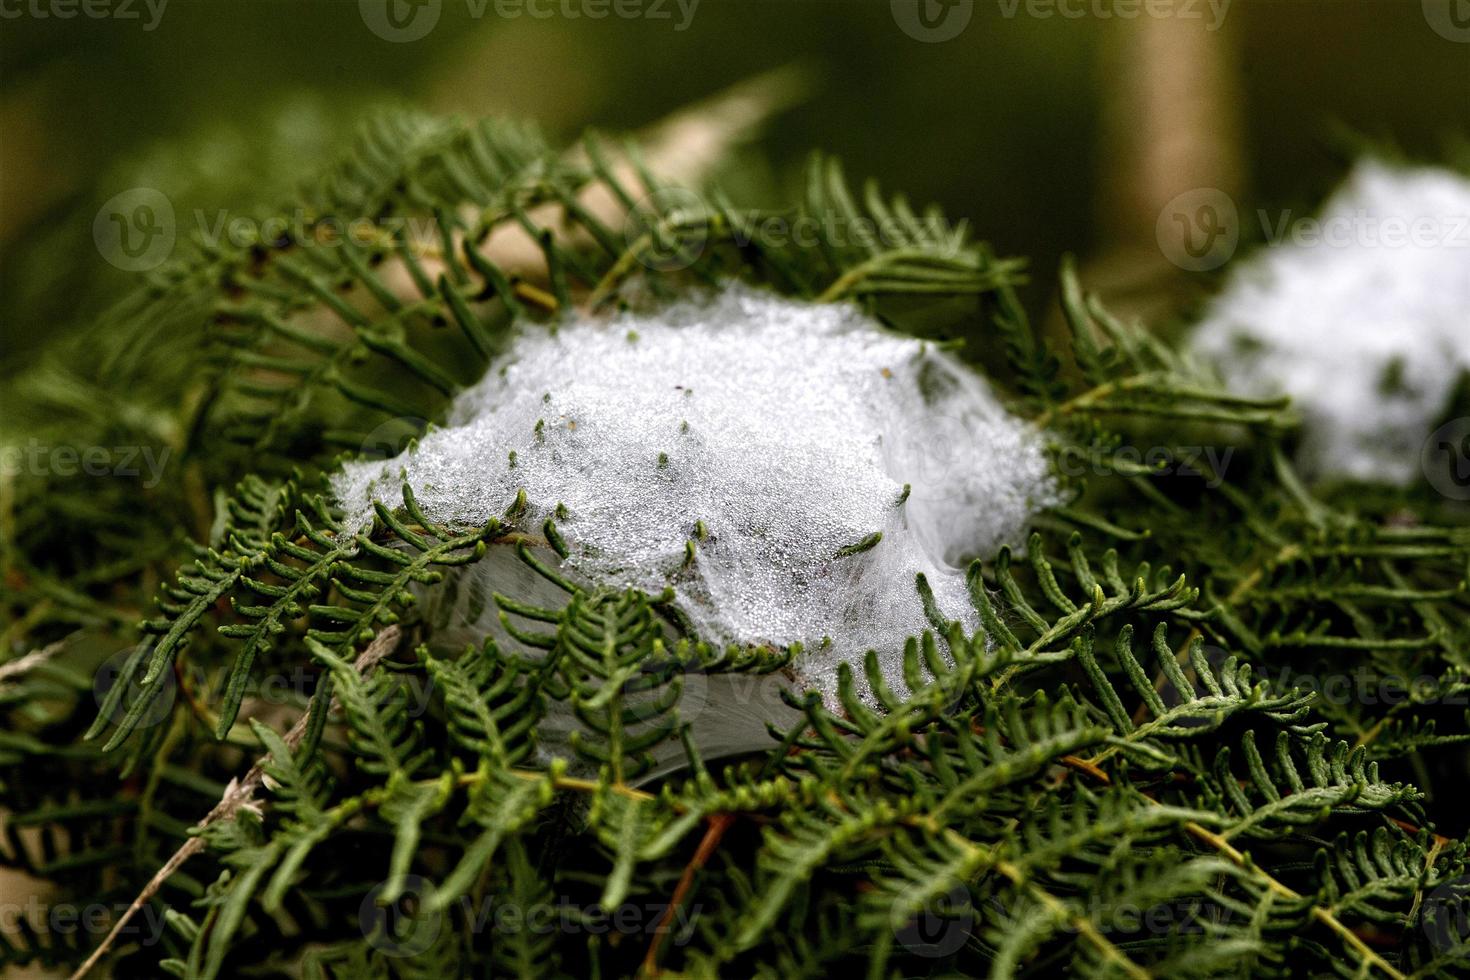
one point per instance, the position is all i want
(1362, 316)
(788, 429)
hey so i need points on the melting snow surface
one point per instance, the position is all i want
(788, 429)
(1364, 321)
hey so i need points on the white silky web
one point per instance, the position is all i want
(788, 430)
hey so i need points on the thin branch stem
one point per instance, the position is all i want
(238, 795)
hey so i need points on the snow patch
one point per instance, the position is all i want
(1367, 329)
(787, 430)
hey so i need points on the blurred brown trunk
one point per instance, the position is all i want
(1171, 122)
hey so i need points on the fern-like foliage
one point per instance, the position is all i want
(1143, 763)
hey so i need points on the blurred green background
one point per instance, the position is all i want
(1049, 127)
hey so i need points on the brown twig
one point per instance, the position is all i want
(1239, 859)
(718, 824)
(239, 795)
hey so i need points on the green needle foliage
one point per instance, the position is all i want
(1212, 725)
